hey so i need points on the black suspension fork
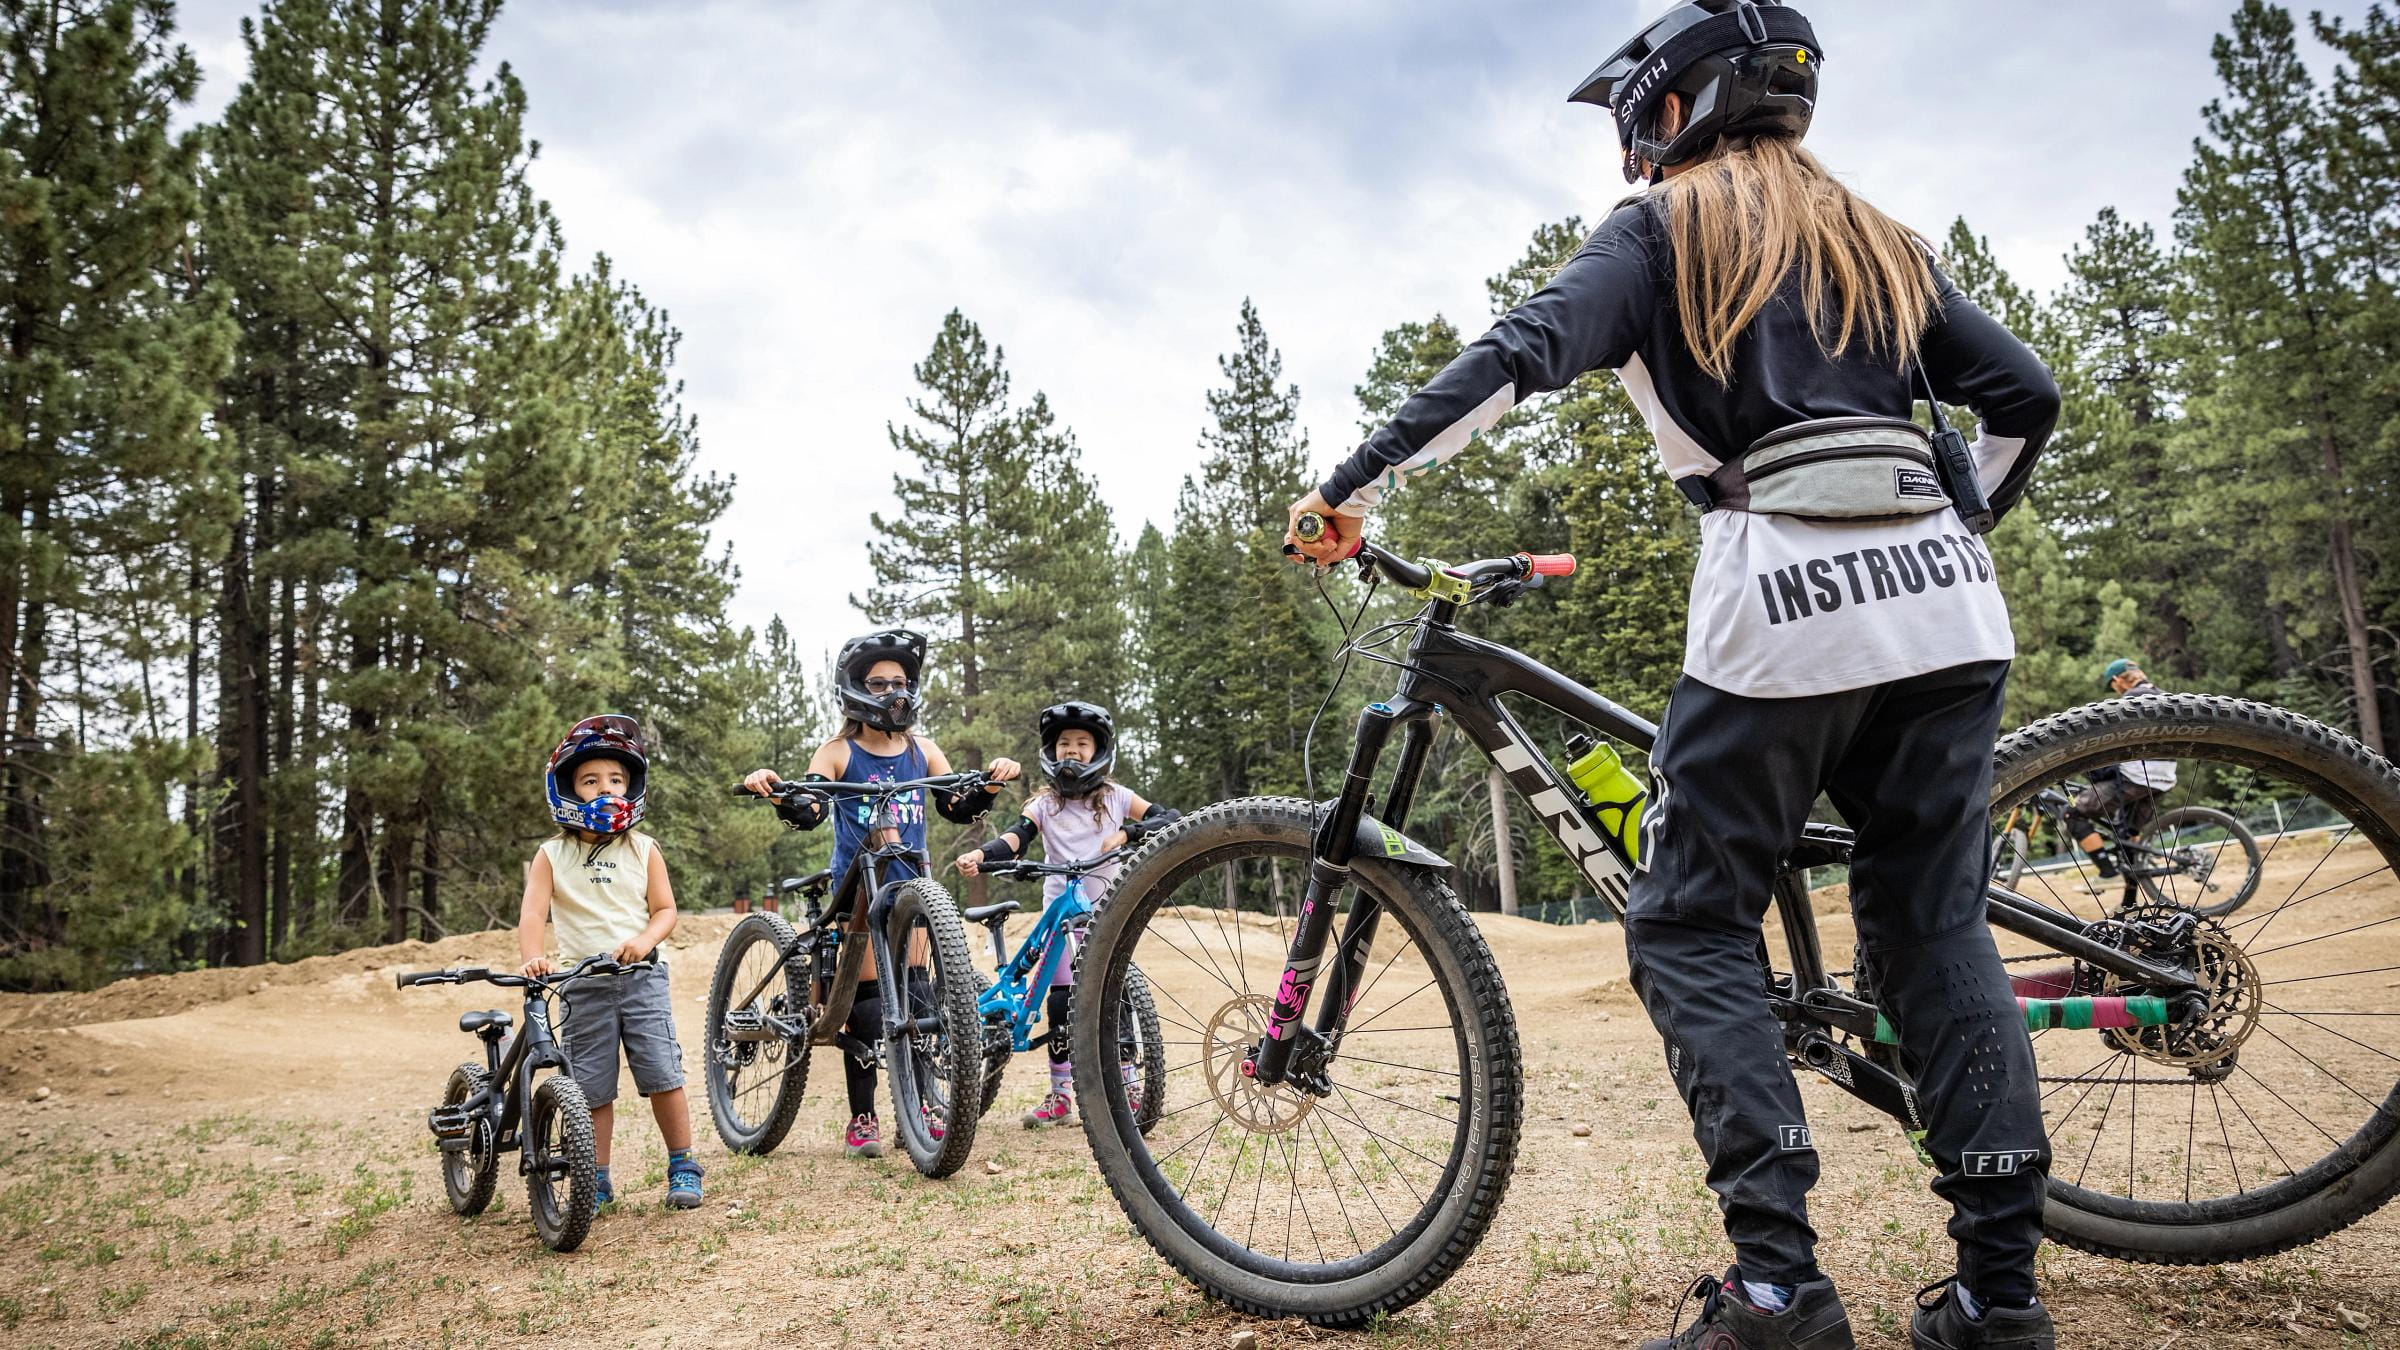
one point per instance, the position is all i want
(1345, 980)
(1328, 873)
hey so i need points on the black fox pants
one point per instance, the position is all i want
(1909, 766)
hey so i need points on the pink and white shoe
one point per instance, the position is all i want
(1056, 1109)
(934, 1129)
(864, 1138)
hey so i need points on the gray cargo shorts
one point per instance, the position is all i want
(628, 1010)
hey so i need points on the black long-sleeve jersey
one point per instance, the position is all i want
(1780, 606)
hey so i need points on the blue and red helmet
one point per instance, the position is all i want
(608, 736)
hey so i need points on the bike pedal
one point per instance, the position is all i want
(450, 1122)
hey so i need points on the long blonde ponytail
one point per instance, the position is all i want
(1739, 223)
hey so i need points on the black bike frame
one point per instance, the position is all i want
(508, 1085)
(1448, 671)
(863, 882)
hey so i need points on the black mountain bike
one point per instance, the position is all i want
(780, 990)
(1348, 1111)
(498, 1106)
(2191, 854)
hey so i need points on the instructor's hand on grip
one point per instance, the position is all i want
(1317, 535)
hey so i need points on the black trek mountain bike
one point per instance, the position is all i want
(779, 990)
(1347, 1092)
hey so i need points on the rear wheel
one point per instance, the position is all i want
(1142, 1050)
(470, 1175)
(561, 1181)
(937, 1057)
(754, 1084)
(2270, 1116)
(1355, 1188)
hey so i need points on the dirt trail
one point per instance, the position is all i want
(238, 1158)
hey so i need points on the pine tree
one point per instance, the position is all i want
(2275, 417)
(375, 221)
(2363, 171)
(1269, 638)
(1002, 551)
(104, 462)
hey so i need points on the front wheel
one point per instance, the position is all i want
(2201, 857)
(937, 1054)
(561, 1180)
(1142, 1051)
(1361, 1184)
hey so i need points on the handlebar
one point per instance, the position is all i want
(787, 789)
(1026, 867)
(1430, 580)
(590, 965)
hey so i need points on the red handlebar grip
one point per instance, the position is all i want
(1552, 564)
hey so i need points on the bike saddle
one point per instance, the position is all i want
(814, 881)
(987, 913)
(488, 1023)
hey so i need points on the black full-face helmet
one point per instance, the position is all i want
(892, 710)
(1744, 67)
(1076, 777)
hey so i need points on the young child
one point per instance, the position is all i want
(1079, 813)
(875, 677)
(603, 885)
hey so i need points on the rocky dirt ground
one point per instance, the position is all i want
(238, 1158)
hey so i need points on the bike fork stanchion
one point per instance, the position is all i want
(1328, 873)
(1343, 982)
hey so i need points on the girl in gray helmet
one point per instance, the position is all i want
(876, 681)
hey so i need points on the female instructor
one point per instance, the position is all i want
(1846, 637)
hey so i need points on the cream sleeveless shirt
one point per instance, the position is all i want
(599, 893)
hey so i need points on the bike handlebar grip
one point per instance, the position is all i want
(1311, 527)
(1551, 564)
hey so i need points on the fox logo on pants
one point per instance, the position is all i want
(2002, 1164)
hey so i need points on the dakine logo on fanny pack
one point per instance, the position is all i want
(1796, 1139)
(1908, 482)
(2002, 1164)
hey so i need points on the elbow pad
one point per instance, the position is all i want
(1159, 818)
(807, 813)
(963, 808)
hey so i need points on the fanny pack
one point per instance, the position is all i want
(1829, 468)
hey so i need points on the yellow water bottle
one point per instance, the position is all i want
(1616, 796)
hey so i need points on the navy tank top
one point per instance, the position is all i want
(908, 811)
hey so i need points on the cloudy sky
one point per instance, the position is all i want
(809, 187)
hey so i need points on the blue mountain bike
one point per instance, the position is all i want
(1013, 1003)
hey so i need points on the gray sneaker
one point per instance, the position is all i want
(1814, 1320)
(1944, 1325)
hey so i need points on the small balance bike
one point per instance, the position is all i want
(498, 1106)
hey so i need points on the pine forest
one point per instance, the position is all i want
(332, 489)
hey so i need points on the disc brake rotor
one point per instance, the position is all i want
(1258, 1108)
(2206, 1044)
